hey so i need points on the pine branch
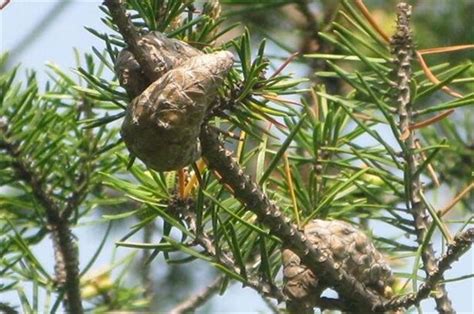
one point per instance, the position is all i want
(200, 298)
(350, 290)
(184, 209)
(66, 255)
(461, 244)
(403, 52)
(132, 38)
(246, 191)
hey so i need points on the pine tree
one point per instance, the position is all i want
(182, 128)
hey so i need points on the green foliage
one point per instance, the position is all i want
(371, 109)
(49, 162)
(315, 153)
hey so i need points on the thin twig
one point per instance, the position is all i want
(461, 244)
(403, 52)
(200, 298)
(184, 208)
(132, 38)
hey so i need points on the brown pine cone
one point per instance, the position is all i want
(167, 53)
(350, 248)
(162, 124)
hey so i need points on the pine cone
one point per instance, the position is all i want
(349, 247)
(162, 124)
(167, 53)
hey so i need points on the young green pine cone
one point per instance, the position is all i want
(350, 248)
(162, 125)
(167, 53)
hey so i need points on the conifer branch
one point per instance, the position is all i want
(246, 191)
(249, 193)
(461, 244)
(403, 52)
(351, 291)
(184, 209)
(132, 38)
(65, 249)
